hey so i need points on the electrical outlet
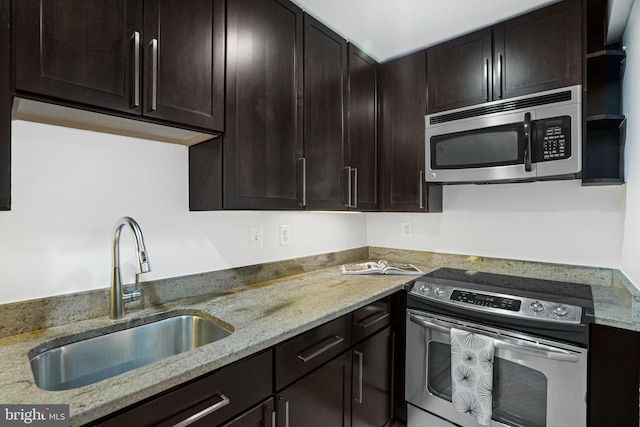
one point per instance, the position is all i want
(406, 229)
(285, 235)
(256, 240)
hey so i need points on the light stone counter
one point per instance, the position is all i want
(261, 315)
(264, 304)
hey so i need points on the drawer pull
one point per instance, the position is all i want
(195, 417)
(373, 319)
(324, 345)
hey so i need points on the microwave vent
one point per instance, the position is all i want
(500, 107)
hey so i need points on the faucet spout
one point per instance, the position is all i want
(117, 296)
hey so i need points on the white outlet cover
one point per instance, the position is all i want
(406, 229)
(285, 235)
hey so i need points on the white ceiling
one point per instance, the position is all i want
(390, 28)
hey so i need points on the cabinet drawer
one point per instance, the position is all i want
(311, 349)
(217, 396)
(371, 318)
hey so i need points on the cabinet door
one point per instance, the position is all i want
(325, 77)
(260, 416)
(459, 72)
(263, 129)
(363, 136)
(321, 399)
(5, 107)
(614, 376)
(372, 380)
(82, 51)
(539, 51)
(402, 110)
(184, 61)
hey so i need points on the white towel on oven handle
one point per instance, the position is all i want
(472, 374)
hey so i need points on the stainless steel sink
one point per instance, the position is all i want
(86, 358)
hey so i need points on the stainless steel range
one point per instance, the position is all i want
(489, 349)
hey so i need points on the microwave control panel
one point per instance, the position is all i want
(554, 138)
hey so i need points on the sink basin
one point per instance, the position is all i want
(89, 357)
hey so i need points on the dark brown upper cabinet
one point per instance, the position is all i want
(459, 72)
(325, 82)
(263, 145)
(402, 109)
(362, 141)
(5, 106)
(538, 51)
(157, 58)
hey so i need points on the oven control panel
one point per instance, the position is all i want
(500, 304)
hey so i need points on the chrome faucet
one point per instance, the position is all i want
(117, 296)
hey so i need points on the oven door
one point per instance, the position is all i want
(536, 383)
(487, 148)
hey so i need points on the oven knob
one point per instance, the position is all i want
(440, 290)
(425, 289)
(536, 306)
(560, 310)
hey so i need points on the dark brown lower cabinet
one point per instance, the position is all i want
(261, 416)
(614, 377)
(321, 399)
(372, 380)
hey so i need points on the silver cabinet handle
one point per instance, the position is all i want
(195, 417)
(348, 204)
(286, 414)
(421, 191)
(355, 188)
(319, 348)
(373, 319)
(360, 355)
(135, 102)
(154, 75)
(486, 76)
(273, 418)
(304, 181)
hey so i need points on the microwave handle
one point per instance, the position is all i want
(527, 137)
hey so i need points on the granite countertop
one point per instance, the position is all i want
(261, 315)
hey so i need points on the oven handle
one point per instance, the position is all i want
(533, 349)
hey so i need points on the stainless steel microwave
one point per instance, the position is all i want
(526, 138)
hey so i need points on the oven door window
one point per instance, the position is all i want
(486, 147)
(519, 393)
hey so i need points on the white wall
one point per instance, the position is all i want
(71, 186)
(631, 107)
(559, 222)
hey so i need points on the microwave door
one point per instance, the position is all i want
(482, 149)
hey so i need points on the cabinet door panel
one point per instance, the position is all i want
(539, 51)
(325, 73)
(184, 76)
(61, 53)
(372, 380)
(459, 72)
(403, 107)
(363, 135)
(263, 139)
(320, 399)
